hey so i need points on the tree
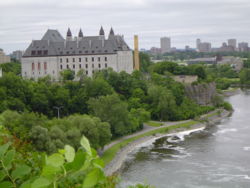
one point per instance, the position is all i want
(112, 110)
(67, 75)
(200, 72)
(145, 62)
(163, 103)
(245, 76)
(97, 87)
(13, 67)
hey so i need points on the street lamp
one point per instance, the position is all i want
(58, 110)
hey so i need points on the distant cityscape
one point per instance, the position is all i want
(230, 46)
(165, 47)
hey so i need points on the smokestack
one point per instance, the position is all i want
(136, 53)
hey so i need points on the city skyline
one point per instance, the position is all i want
(149, 19)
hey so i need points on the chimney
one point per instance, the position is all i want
(136, 53)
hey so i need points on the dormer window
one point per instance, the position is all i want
(33, 52)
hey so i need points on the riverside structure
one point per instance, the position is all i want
(53, 54)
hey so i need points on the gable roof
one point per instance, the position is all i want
(53, 44)
(53, 36)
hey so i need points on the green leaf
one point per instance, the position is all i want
(26, 184)
(55, 160)
(98, 163)
(3, 149)
(41, 182)
(6, 184)
(2, 175)
(85, 144)
(78, 162)
(7, 159)
(50, 171)
(20, 171)
(62, 151)
(92, 178)
(69, 153)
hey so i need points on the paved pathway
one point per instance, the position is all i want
(146, 128)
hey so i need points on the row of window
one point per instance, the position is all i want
(39, 66)
(86, 59)
(86, 66)
(39, 52)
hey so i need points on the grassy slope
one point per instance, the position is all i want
(111, 152)
(154, 123)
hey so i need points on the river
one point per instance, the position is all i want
(217, 157)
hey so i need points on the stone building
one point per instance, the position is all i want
(53, 54)
(4, 58)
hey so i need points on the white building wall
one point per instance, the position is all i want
(125, 61)
(122, 61)
(89, 63)
(52, 67)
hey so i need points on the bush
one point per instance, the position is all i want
(227, 106)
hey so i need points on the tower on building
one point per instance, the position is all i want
(69, 35)
(80, 34)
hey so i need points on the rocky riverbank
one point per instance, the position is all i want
(231, 92)
(116, 164)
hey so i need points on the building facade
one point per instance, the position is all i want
(233, 43)
(4, 58)
(17, 55)
(203, 46)
(243, 47)
(165, 45)
(53, 54)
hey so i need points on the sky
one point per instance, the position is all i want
(215, 21)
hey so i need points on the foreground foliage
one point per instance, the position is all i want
(66, 168)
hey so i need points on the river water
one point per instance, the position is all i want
(217, 157)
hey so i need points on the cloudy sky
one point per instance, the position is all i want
(182, 20)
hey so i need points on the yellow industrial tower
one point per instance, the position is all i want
(136, 53)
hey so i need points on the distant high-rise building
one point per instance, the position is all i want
(155, 50)
(198, 41)
(165, 45)
(232, 42)
(226, 48)
(17, 55)
(243, 47)
(203, 46)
